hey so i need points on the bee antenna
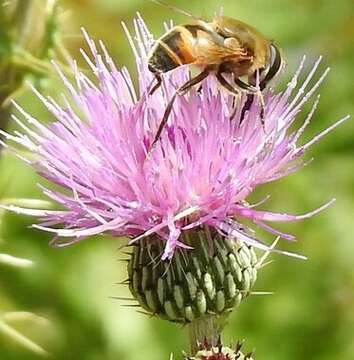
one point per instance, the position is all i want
(176, 9)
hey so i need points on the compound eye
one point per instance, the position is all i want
(276, 62)
(274, 66)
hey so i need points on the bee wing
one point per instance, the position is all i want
(209, 49)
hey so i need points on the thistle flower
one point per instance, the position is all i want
(200, 173)
(189, 194)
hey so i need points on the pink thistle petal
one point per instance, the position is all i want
(274, 231)
(111, 225)
(323, 133)
(173, 236)
(237, 234)
(270, 216)
(160, 226)
(31, 212)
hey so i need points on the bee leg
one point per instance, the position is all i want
(157, 85)
(180, 91)
(193, 81)
(262, 104)
(224, 83)
(246, 106)
(252, 91)
(163, 121)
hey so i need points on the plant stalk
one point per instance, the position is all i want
(206, 329)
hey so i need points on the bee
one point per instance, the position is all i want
(223, 46)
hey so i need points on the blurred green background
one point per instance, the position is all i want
(311, 314)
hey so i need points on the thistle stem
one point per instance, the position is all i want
(201, 330)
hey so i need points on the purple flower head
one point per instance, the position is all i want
(201, 171)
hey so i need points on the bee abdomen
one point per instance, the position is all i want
(170, 51)
(161, 61)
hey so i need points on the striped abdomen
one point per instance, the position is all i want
(173, 49)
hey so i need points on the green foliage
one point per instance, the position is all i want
(311, 314)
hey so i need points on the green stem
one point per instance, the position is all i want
(201, 330)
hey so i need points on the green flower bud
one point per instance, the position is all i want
(210, 279)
